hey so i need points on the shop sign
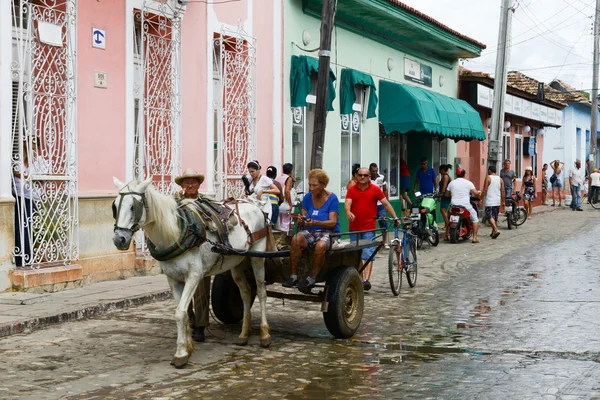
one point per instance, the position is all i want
(416, 72)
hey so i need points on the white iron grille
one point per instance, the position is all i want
(160, 116)
(44, 159)
(237, 95)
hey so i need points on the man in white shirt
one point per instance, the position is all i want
(594, 186)
(461, 191)
(576, 180)
(379, 180)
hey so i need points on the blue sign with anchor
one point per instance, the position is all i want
(98, 38)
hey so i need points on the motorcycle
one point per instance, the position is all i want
(515, 214)
(422, 215)
(461, 226)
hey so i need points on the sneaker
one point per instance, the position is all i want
(307, 284)
(291, 282)
(387, 246)
(366, 285)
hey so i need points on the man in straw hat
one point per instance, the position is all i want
(190, 182)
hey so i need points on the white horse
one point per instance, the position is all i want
(139, 205)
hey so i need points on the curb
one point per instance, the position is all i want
(29, 325)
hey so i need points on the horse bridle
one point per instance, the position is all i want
(138, 210)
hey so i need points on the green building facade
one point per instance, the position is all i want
(392, 91)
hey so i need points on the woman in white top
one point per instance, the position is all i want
(261, 186)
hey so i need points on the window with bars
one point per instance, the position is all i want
(519, 150)
(351, 127)
(391, 149)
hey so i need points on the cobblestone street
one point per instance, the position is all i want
(517, 317)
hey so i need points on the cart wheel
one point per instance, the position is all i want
(226, 301)
(346, 302)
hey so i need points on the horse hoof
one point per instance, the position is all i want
(266, 342)
(179, 362)
(242, 341)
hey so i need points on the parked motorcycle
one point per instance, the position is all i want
(515, 214)
(422, 215)
(461, 226)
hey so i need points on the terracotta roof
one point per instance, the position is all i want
(435, 22)
(521, 85)
(569, 93)
(520, 81)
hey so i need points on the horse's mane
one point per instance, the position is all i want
(163, 224)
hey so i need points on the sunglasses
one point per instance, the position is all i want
(362, 175)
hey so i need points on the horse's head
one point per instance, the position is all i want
(129, 211)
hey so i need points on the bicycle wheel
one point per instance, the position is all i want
(410, 257)
(520, 217)
(595, 202)
(395, 268)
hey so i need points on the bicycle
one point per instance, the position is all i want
(402, 257)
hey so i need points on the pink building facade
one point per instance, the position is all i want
(138, 88)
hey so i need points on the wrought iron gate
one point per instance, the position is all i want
(235, 53)
(44, 157)
(158, 127)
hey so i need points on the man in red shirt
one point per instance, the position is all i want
(361, 210)
(405, 184)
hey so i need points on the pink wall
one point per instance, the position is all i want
(194, 93)
(100, 112)
(263, 30)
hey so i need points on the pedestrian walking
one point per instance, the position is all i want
(285, 208)
(461, 190)
(594, 186)
(274, 199)
(508, 176)
(190, 182)
(494, 196)
(445, 179)
(405, 185)
(544, 184)
(379, 180)
(361, 209)
(425, 178)
(576, 180)
(528, 190)
(557, 168)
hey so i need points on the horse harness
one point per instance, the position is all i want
(192, 224)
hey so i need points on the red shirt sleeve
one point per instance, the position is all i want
(380, 195)
(350, 192)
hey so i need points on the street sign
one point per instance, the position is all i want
(99, 38)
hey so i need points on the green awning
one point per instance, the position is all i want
(405, 108)
(349, 79)
(300, 85)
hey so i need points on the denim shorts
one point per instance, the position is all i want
(381, 213)
(368, 252)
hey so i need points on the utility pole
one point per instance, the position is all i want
(495, 138)
(327, 21)
(594, 127)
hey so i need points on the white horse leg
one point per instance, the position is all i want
(258, 267)
(185, 344)
(240, 279)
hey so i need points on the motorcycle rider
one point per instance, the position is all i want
(460, 190)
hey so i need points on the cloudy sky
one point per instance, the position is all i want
(550, 38)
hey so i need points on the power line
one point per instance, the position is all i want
(492, 51)
(572, 47)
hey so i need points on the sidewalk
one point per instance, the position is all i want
(24, 312)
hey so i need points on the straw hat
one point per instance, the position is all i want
(189, 173)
